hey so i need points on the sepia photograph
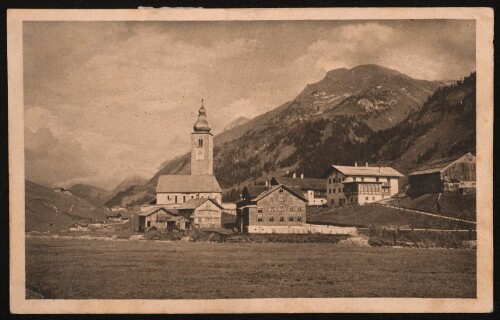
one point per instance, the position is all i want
(228, 157)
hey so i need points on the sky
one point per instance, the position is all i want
(109, 100)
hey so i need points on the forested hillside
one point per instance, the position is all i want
(368, 113)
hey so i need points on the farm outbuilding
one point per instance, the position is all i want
(455, 174)
(79, 227)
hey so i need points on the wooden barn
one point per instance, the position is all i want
(277, 206)
(455, 174)
(202, 213)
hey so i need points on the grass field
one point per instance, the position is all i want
(452, 204)
(78, 269)
(369, 215)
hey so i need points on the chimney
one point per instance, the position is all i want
(355, 163)
(366, 164)
(294, 175)
(302, 176)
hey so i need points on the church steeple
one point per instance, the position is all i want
(202, 124)
(202, 145)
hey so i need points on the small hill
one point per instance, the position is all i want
(370, 215)
(90, 193)
(47, 210)
(450, 204)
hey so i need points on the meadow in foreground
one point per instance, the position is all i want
(79, 269)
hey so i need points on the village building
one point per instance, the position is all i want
(116, 217)
(314, 190)
(454, 174)
(229, 208)
(199, 213)
(202, 213)
(358, 185)
(96, 224)
(272, 206)
(79, 226)
(62, 190)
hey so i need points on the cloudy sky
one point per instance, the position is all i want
(107, 100)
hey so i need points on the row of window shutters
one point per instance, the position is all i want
(281, 209)
(281, 219)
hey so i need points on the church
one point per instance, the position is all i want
(198, 196)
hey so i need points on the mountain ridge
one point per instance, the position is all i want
(316, 128)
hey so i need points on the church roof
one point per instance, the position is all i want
(188, 184)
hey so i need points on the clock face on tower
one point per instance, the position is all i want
(199, 153)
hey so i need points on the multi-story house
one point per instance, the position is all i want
(357, 185)
(273, 206)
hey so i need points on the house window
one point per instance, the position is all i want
(329, 181)
(290, 208)
(376, 179)
(149, 224)
(299, 219)
(353, 178)
(200, 142)
(271, 218)
(282, 208)
(183, 198)
(299, 208)
(340, 190)
(281, 198)
(260, 210)
(333, 190)
(333, 201)
(281, 190)
(175, 199)
(282, 219)
(259, 218)
(168, 198)
(366, 198)
(362, 178)
(271, 209)
(290, 218)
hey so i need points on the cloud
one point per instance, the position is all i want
(418, 54)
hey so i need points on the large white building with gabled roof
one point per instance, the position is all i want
(358, 185)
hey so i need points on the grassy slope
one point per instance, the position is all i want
(45, 207)
(71, 269)
(364, 216)
(452, 204)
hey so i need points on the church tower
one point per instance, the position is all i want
(202, 145)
